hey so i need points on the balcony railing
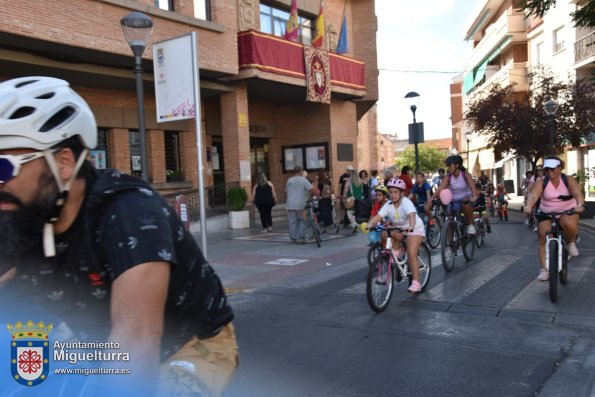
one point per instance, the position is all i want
(584, 48)
(276, 55)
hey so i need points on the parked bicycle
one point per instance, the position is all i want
(454, 236)
(386, 270)
(556, 253)
(312, 219)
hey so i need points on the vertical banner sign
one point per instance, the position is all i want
(174, 85)
(177, 94)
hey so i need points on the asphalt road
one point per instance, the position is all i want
(485, 329)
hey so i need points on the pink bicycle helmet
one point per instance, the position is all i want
(396, 182)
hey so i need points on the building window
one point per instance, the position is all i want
(202, 9)
(274, 20)
(99, 155)
(558, 40)
(135, 153)
(539, 53)
(311, 157)
(173, 165)
(167, 5)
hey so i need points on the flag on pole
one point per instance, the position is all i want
(342, 44)
(292, 27)
(318, 40)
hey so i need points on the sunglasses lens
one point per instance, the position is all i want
(548, 169)
(6, 170)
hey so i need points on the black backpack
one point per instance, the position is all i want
(546, 180)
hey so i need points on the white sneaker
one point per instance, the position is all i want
(535, 229)
(526, 222)
(572, 250)
(471, 229)
(543, 275)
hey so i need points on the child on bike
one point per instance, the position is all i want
(421, 193)
(480, 206)
(501, 197)
(402, 214)
(380, 199)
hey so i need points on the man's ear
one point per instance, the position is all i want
(66, 162)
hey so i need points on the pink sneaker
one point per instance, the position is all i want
(415, 287)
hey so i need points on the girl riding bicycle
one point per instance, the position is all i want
(561, 193)
(462, 187)
(402, 214)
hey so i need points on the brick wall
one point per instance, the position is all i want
(119, 149)
(156, 156)
(95, 24)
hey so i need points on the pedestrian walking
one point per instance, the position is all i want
(296, 189)
(342, 217)
(353, 191)
(265, 198)
(326, 200)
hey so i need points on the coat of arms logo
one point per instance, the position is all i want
(29, 352)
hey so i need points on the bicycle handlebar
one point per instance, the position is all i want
(379, 228)
(567, 212)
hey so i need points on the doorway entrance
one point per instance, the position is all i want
(259, 157)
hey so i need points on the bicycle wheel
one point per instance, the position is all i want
(469, 245)
(425, 265)
(379, 285)
(448, 247)
(315, 231)
(564, 271)
(553, 270)
(373, 252)
(434, 232)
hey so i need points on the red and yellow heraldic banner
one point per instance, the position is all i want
(318, 77)
(274, 54)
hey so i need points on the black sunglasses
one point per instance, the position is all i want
(548, 169)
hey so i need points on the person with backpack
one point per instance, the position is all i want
(102, 250)
(459, 181)
(556, 192)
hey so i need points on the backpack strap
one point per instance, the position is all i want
(546, 180)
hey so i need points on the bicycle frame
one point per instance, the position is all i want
(402, 265)
(553, 236)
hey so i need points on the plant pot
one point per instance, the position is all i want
(239, 219)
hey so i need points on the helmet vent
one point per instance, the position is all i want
(22, 112)
(24, 83)
(46, 96)
(58, 118)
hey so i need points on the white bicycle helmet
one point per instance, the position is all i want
(41, 112)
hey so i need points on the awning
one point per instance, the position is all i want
(500, 163)
(480, 72)
(486, 159)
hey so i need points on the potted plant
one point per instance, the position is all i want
(239, 218)
(174, 175)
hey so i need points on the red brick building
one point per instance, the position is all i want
(254, 115)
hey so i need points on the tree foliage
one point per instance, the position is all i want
(584, 16)
(430, 158)
(516, 122)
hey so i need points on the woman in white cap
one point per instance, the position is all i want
(558, 192)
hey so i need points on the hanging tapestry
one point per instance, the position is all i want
(318, 76)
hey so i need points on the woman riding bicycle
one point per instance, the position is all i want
(402, 214)
(462, 187)
(561, 193)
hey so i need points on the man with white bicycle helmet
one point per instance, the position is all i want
(110, 254)
(402, 214)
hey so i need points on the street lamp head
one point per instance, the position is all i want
(468, 135)
(550, 107)
(412, 99)
(137, 28)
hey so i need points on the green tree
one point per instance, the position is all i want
(430, 158)
(584, 16)
(516, 122)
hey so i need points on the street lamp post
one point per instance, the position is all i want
(137, 28)
(551, 107)
(468, 138)
(412, 99)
